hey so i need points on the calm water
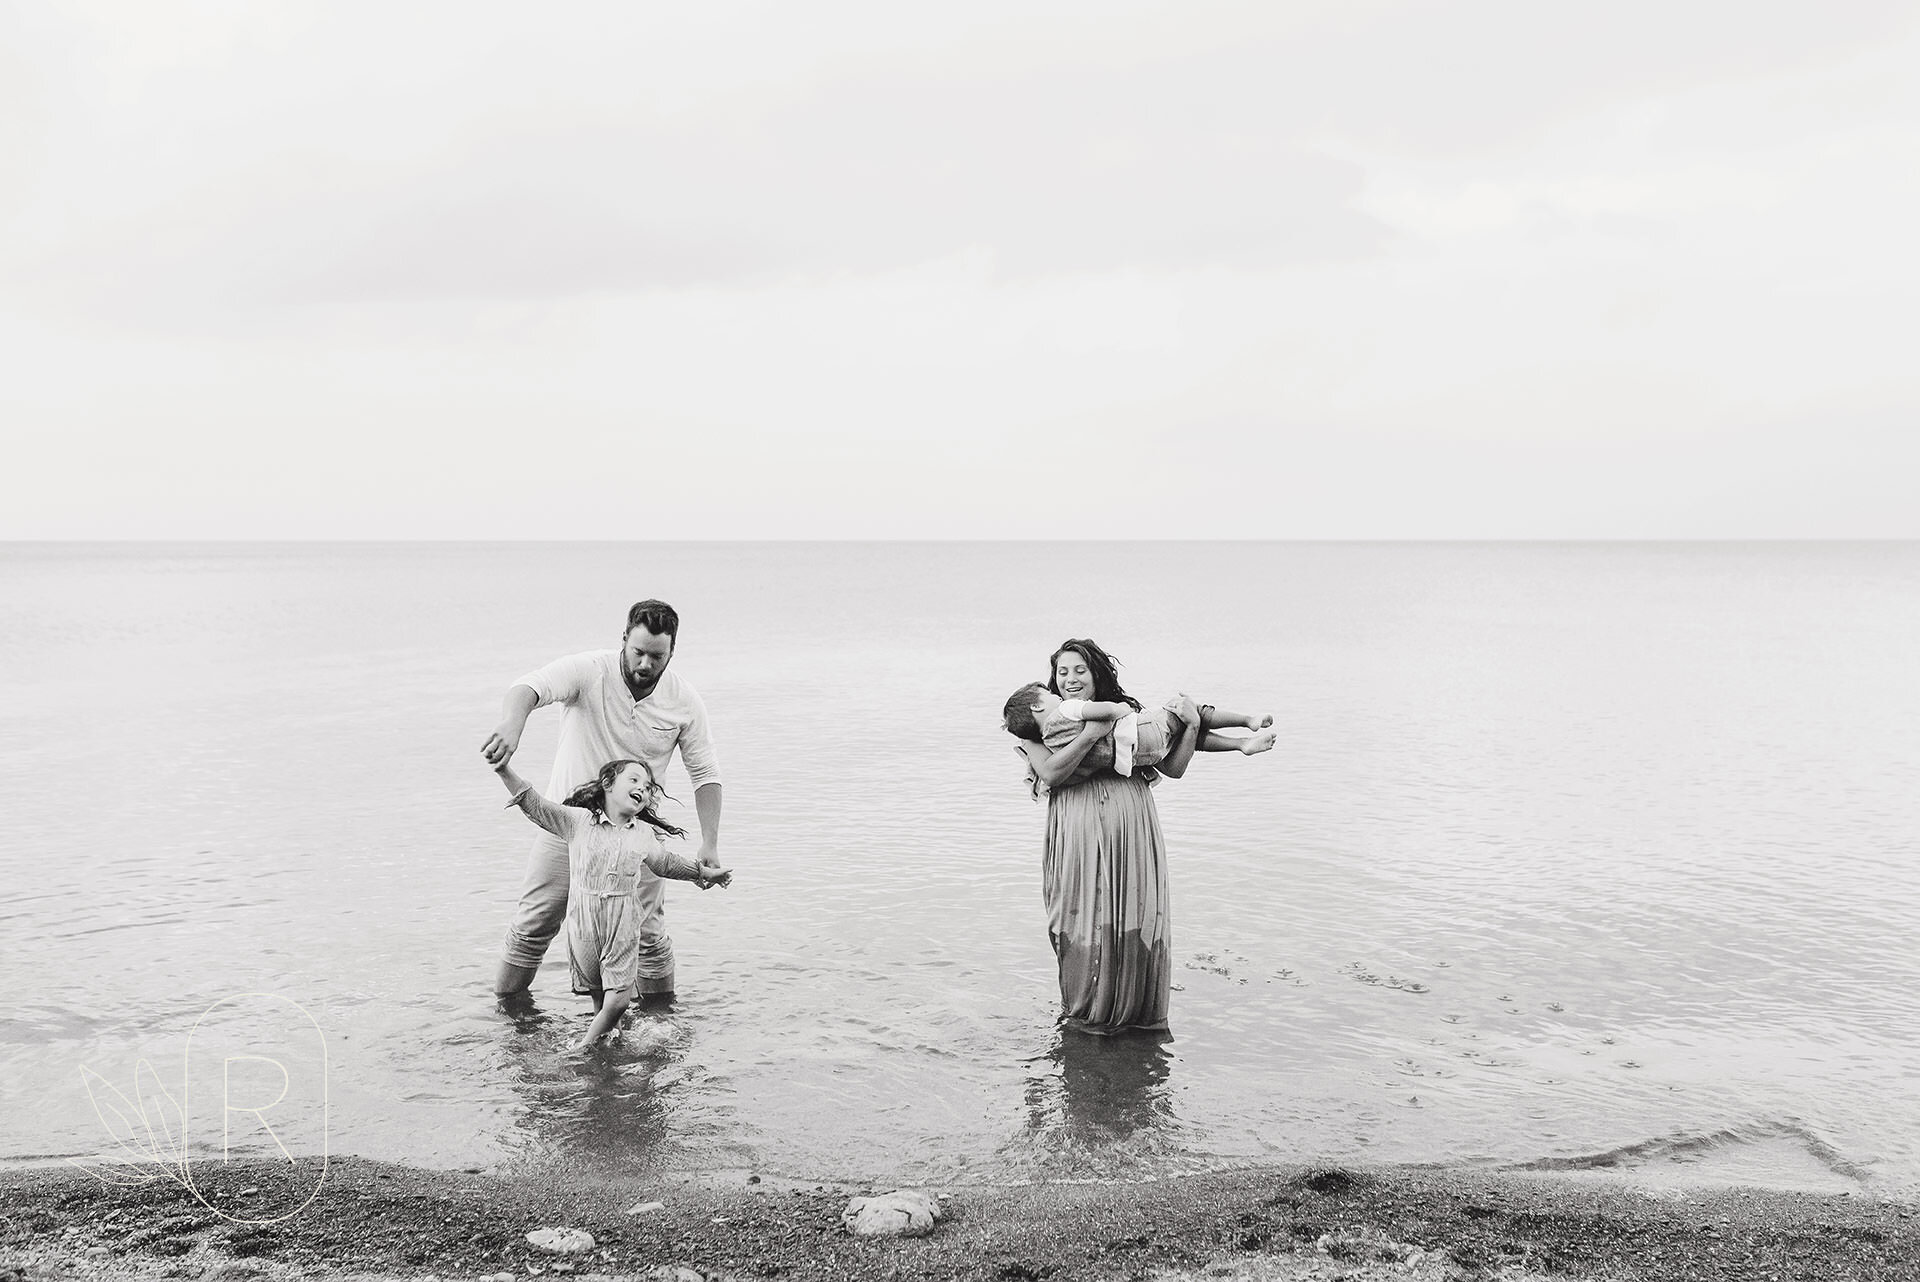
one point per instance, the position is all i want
(1575, 856)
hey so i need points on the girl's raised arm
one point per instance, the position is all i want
(558, 820)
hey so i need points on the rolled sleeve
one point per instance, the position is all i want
(561, 821)
(562, 681)
(696, 747)
(662, 862)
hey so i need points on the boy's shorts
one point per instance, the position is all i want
(1156, 729)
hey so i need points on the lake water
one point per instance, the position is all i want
(1580, 856)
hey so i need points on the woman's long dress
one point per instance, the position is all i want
(1105, 883)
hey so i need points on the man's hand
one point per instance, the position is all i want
(713, 875)
(710, 864)
(502, 744)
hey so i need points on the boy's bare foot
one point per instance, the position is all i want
(1260, 721)
(1262, 742)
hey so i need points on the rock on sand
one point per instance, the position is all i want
(563, 1241)
(901, 1213)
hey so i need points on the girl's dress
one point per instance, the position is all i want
(1104, 880)
(610, 903)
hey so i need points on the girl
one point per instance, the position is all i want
(612, 833)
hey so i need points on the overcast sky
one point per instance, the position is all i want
(968, 269)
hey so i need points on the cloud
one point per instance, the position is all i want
(331, 153)
(309, 268)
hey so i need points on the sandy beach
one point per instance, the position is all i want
(378, 1220)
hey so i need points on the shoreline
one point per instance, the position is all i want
(374, 1219)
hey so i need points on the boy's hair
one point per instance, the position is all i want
(1018, 718)
(656, 617)
(592, 795)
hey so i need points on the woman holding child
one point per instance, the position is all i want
(1104, 873)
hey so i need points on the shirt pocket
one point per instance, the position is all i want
(657, 728)
(626, 869)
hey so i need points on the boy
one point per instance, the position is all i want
(1038, 715)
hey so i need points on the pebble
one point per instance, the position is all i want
(562, 1241)
(672, 1273)
(646, 1208)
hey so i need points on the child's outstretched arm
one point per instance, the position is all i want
(558, 820)
(1093, 710)
(666, 863)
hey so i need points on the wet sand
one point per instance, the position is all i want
(371, 1219)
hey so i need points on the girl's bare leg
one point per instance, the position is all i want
(612, 1006)
(599, 996)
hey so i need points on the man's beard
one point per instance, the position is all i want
(633, 681)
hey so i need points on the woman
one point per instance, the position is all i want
(1104, 877)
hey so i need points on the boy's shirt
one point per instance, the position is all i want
(1063, 724)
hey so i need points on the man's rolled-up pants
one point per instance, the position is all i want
(543, 911)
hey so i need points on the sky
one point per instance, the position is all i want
(1344, 270)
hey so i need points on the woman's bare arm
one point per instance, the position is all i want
(1174, 765)
(1054, 768)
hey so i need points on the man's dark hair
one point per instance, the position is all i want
(1018, 717)
(656, 617)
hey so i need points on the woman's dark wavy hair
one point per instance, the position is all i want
(592, 795)
(1106, 681)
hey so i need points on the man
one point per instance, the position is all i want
(619, 704)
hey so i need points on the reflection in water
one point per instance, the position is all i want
(521, 1009)
(1096, 1105)
(607, 1107)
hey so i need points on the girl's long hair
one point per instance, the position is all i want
(1106, 680)
(592, 795)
